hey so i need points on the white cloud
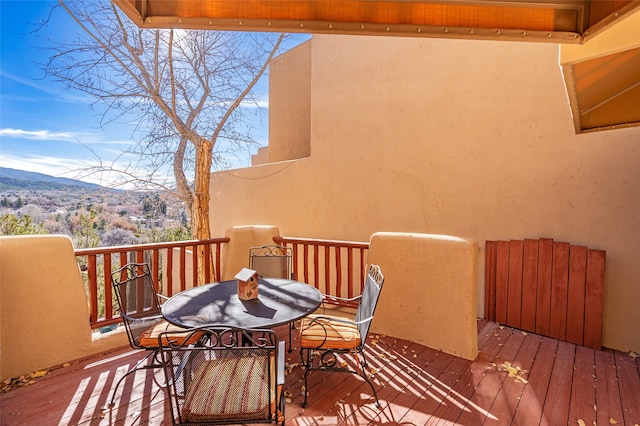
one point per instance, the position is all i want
(51, 89)
(46, 135)
(260, 103)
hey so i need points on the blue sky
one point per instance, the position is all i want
(44, 127)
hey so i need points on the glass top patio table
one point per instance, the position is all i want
(279, 301)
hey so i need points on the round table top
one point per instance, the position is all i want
(279, 301)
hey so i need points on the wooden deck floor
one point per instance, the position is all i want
(518, 378)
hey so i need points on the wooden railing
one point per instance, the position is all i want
(334, 267)
(97, 264)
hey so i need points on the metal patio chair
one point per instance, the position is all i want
(323, 337)
(272, 261)
(231, 375)
(139, 305)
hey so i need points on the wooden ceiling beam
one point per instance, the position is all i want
(548, 20)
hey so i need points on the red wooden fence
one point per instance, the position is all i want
(547, 287)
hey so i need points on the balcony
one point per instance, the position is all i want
(514, 377)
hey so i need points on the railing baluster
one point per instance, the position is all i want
(207, 263)
(218, 262)
(316, 268)
(327, 270)
(294, 249)
(168, 291)
(349, 272)
(183, 269)
(338, 271)
(155, 268)
(306, 263)
(93, 287)
(108, 295)
(194, 265)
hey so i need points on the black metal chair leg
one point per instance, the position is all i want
(375, 394)
(306, 389)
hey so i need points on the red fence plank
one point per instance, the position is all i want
(490, 281)
(502, 281)
(514, 295)
(559, 284)
(529, 285)
(545, 266)
(575, 294)
(594, 295)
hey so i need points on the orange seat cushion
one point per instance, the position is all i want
(149, 337)
(328, 332)
(229, 388)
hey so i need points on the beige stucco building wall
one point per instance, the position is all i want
(471, 139)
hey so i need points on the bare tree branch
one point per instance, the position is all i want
(182, 91)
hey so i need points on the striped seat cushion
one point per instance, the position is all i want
(149, 337)
(327, 332)
(228, 388)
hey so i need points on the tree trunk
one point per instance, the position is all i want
(200, 228)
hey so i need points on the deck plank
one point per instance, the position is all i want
(472, 374)
(485, 385)
(510, 394)
(608, 399)
(499, 409)
(556, 403)
(629, 385)
(583, 394)
(533, 395)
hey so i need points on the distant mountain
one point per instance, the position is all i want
(11, 179)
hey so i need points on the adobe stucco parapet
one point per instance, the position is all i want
(429, 294)
(44, 313)
(235, 254)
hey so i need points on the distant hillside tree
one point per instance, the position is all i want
(118, 237)
(184, 91)
(85, 229)
(11, 224)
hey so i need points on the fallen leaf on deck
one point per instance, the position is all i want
(612, 421)
(387, 356)
(514, 372)
(581, 422)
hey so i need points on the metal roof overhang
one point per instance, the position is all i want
(603, 86)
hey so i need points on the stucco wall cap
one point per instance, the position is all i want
(435, 237)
